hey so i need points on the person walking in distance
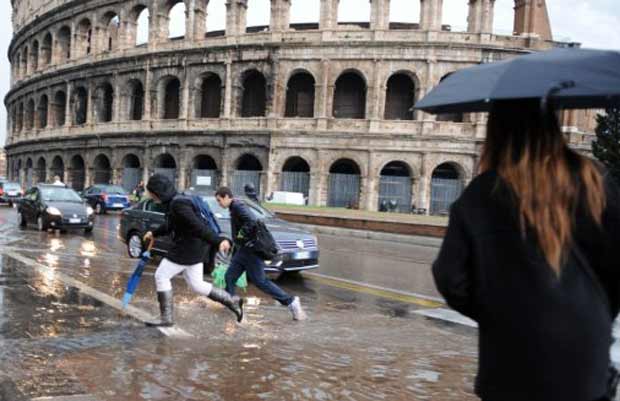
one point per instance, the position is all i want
(192, 239)
(531, 253)
(242, 222)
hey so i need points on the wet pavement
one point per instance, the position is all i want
(63, 336)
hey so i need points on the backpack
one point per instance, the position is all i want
(263, 244)
(204, 211)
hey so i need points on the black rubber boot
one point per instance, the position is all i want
(165, 308)
(235, 304)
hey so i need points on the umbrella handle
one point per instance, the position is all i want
(151, 244)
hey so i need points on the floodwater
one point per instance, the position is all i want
(56, 340)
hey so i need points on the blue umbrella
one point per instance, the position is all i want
(134, 280)
(566, 78)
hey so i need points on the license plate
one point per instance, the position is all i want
(118, 205)
(12, 193)
(302, 255)
(74, 221)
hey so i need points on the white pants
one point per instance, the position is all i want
(192, 274)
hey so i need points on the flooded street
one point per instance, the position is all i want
(64, 336)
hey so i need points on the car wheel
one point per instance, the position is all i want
(88, 230)
(41, 224)
(98, 208)
(134, 245)
(21, 220)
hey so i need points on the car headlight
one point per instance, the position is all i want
(89, 210)
(53, 211)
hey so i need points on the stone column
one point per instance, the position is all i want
(379, 14)
(68, 116)
(329, 14)
(184, 112)
(228, 90)
(280, 15)
(480, 18)
(147, 115)
(236, 14)
(117, 99)
(200, 21)
(431, 14)
(189, 20)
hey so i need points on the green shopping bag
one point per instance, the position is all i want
(219, 277)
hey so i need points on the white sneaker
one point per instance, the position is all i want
(296, 310)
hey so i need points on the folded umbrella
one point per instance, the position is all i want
(569, 78)
(134, 280)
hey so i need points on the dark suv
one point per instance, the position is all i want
(102, 197)
(299, 249)
(10, 192)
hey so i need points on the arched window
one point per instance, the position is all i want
(216, 18)
(166, 165)
(142, 25)
(176, 21)
(46, 50)
(451, 117)
(103, 170)
(84, 45)
(344, 184)
(210, 97)
(29, 117)
(80, 106)
(350, 96)
(446, 187)
(42, 112)
(254, 95)
(41, 170)
(136, 100)
(295, 176)
(112, 23)
(404, 14)
(455, 14)
(77, 173)
(105, 103)
(34, 56)
(132, 172)
(305, 14)
(247, 172)
(64, 44)
(25, 61)
(171, 98)
(258, 15)
(300, 96)
(204, 172)
(58, 168)
(399, 98)
(20, 117)
(354, 12)
(395, 188)
(59, 108)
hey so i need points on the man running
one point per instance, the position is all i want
(192, 239)
(242, 222)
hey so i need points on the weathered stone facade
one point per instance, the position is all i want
(316, 107)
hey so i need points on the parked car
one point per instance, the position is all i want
(102, 197)
(299, 248)
(53, 206)
(10, 192)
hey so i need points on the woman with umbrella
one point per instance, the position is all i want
(531, 251)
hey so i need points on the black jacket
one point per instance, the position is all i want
(540, 337)
(242, 222)
(192, 239)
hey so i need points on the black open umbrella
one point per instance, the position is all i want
(567, 78)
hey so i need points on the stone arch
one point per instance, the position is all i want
(42, 112)
(344, 184)
(404, 14)
(63, 44)
(77, 172)
(176, 24)
(29, 115)
(205, 172)
(400, 97)
(104, 102)
(295, 176)
(248, 169)
(25, 62)
(133, 100)
(46, 50)
(131, 171)
(110, 25)
(300, 95)
(20, 117)
(59, 108)
(139, 25)
(57, 168)
(450, 117)
(165, 164)
(254, 94)
(41, 169)
(447, 183)
(102, 169)
(34, 55)
(361, 10)
(29, 173)
(215, 20)
(350, 95)
(395, 187)
(80, 105)
(208, 96)
(169, 93)
(84, 35)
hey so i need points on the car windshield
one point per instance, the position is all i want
(221, 213)
(10, 186)
(114, 190)
(59, 194)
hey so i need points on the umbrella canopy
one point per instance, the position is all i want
(567, 78)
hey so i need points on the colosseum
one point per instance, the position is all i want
(323, 108)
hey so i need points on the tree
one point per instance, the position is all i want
(606, 147)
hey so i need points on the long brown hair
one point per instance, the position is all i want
(529, 152)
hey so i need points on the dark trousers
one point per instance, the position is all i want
(246, 261)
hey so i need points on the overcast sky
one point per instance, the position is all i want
(594, 23)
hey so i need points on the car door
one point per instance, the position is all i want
(29, 204)
(153, 216)
(89, 195)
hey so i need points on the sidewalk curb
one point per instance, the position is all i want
(375, 235)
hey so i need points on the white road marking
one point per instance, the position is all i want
(447, 315)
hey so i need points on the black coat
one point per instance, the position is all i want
(192, 239)
(540, 337)
(242, 222)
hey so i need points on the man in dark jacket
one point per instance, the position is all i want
(192, 239)
(245, 259)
